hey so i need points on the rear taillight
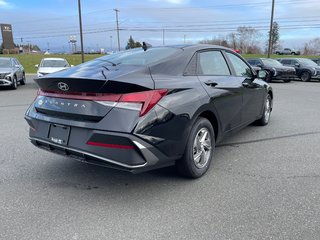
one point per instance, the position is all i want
(139, 101)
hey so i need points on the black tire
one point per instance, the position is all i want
(305, 76)
(23, 80)
(293, 53)
(287, 80)
(14, 84)
(265, 118)
(188, 166)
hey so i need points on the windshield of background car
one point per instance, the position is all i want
(308, 62)
(271, 63)
(5, 63)
(136, 56)
(54, 63)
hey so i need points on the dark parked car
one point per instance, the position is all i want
(275, 69)
(139, 110)
(305, 68)
(11, 72)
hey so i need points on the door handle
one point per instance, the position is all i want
(210, 83)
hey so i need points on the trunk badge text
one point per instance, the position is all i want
(60, 103)
(63, 86)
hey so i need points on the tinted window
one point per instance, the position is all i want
(212, 63)
(252, 62)
(286, 62)
(240, 67)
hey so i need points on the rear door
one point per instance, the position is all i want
(253, 93)
(224, 90)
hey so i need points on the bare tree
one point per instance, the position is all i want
(312, 47)
(247, 38)
(216, 41)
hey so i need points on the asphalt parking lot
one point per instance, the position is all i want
(264, 184)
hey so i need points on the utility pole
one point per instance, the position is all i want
(110, 43)
(116, 10)
(270, 32)
(81, 35)
(163, 43)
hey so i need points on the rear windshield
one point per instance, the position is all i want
(54, 63)
(271, 62)
(136, 56)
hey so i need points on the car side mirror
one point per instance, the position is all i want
(16, 66)
(262, 74)
(36, 66)
(259, 65)
(297, 65)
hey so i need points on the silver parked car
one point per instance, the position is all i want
(11, 72)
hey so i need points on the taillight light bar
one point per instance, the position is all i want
(140, 101)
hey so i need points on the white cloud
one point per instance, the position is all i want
(5, 5)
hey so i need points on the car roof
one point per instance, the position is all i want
(195, 47)
(6, 58)
(289, 58)
(62, 59)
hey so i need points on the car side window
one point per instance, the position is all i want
(240, 67)
(252, 62)
(286, 62)
(294, 62)
(15, 62)
(212, 63)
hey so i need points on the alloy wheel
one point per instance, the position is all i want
(267, 110)
(202, 148)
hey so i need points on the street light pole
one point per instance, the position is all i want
(163, 41)
(81, 35)
(270, 31)
(116, 10)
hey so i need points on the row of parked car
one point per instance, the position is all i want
(287, 69)
(12, 73)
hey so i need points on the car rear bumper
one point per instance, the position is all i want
(109, 149)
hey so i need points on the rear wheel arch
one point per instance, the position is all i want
(271, 94)
(212, 119)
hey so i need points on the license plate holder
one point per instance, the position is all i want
(59, 134)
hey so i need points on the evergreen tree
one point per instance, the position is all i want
(275, 37)
(132, 44)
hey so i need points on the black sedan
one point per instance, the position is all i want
(143, 109)
(276, 71)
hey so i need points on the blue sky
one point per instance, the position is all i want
(50, 23)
